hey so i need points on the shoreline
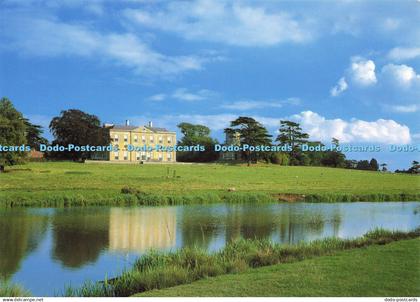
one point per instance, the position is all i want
(157, 270)
(136, 198)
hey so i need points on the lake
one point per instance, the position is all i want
(46, 249)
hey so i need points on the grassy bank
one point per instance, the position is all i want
(163, 270)
(58, 184)
(382, 271)
(12, 290)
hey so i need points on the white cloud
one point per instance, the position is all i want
(340, 87)
(223, 21)
(157, 97)
(404, 53)
(50, 37)
(403, 75)
(403, 108)
(379, 131)
(183, 94)
(363, 71)
(244, 105)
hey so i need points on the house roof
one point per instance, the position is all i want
(123, 127)
(131, 128)
(156, 129)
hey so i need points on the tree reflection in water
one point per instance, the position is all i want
(79, 235)
(20, 234)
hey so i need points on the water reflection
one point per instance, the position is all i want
(199, 226)
(19, 235)
(79, 235)
(72, 245)
(141, 229)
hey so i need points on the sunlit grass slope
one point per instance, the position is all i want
(55, 183)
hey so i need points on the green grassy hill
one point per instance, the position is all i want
(58, 183)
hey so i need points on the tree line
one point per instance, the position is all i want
(251, 132)
(76, 127)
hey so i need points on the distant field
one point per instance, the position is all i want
(375, 271)
(37, 182)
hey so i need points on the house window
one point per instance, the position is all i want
(160, 156)
(143, 156)
(125, 155)
(151, 138)
(137, 155)
(116, 138)
(136, 138)
(116, 155)
(169, 156)
(169, 140)
(149, 155)
(143, 139)
(160, 139)
(125, 138)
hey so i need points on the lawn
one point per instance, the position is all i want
(378, 270)
(38, 182)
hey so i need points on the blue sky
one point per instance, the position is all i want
(348, 69)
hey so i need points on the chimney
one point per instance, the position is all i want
(127, 122)
(150, 124)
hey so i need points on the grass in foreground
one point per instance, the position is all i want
(382, 271)
(12, 290)
(160, 270)
(58, 184)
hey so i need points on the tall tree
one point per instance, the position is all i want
(12, 133)
(374, 166)
(291, 133)
(384, 167)
(79, 128)
(34, 135)
(251, 133)
(334, 158)
(196, 135)
(415, 167)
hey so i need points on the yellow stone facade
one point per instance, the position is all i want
(149, 136)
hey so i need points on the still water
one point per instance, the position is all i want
(46, 249)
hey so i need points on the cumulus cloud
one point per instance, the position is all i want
(340, 87)
(403, 75)
(225, 22)
(379, 131)
(51, 37)
(404, 53)
(363, 71)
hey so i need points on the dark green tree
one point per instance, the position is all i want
(79, 128)
(384, 167)
(196, 135)
(34, 135)
(374, 166)
(415, 167)
(251, 133)
(334, 158)
(315, 157)
(290, 133)
(363, 165)
(12, 133)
